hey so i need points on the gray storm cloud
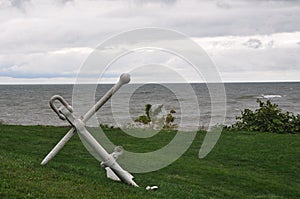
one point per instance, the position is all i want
(51, 39)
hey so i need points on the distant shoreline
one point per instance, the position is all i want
(233, 82)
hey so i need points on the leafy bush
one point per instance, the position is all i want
(267, 118)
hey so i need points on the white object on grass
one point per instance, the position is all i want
(151, 188)
(65, 112)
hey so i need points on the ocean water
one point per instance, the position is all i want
(29, 104)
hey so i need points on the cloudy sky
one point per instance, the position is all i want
(47, 41)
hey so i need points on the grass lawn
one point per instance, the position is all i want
(242, 165)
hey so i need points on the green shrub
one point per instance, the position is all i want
(169, 120)
(145, 119)
(267, 118)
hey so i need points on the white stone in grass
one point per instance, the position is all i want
(154, 188)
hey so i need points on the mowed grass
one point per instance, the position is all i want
(242, 165)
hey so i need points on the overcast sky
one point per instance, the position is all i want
(46, 41)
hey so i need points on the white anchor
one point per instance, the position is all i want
(65, 112)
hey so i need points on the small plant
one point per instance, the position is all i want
(169, 120)
(267, 118)
(150, 117)
(145, 119)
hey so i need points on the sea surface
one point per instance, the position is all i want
(29, 104)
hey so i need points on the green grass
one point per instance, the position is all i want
(242, 165)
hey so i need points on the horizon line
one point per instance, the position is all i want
(225, 82)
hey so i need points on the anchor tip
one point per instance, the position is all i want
(45, 161)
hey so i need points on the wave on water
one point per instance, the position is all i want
(269, 96)
(247, 97)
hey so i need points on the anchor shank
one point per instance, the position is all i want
(108, 159)
(124, 79)
(101, 102)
